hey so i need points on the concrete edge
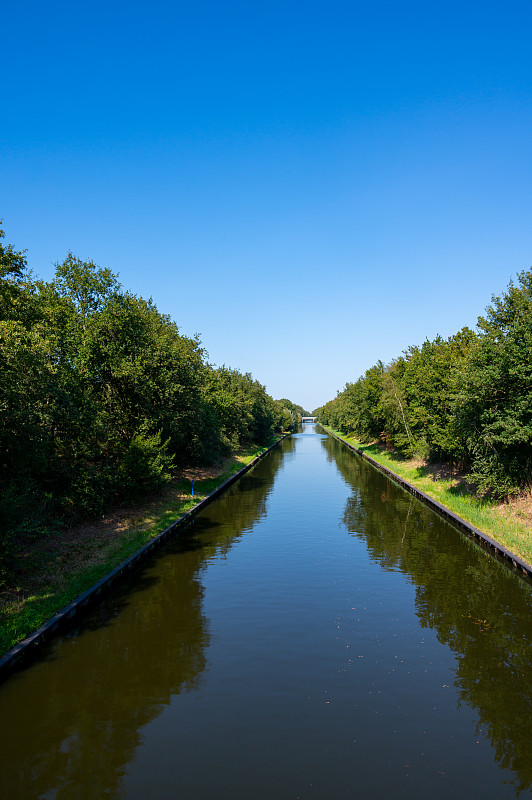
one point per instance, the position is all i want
(511, 560)
(65, 618)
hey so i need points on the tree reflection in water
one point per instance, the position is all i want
(73, 718)
(475, 604)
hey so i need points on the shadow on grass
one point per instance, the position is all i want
(457, 482)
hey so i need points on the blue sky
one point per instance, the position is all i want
(308, 186)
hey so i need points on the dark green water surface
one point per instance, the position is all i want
(316, 633)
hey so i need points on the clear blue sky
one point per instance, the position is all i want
(309, 186)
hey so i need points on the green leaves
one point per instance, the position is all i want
(85, 284)
(12, 270)
(101, 396)
(245, 412)
(494, 404)
(467, 399)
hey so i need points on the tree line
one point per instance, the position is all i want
(102, 398)
(465, 400)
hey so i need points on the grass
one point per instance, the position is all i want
(510, 523)
(52, 571)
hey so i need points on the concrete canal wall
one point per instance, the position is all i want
(495, 548)
(68, 616)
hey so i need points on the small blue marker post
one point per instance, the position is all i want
(192, 487)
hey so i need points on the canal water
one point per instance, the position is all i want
(316, 633)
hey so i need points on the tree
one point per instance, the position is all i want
(428, 376)
(13, 267)
(494, 404)
(87, 285)
(101, 396)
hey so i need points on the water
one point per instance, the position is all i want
(317, 633)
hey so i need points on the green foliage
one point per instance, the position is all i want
(289, 415)
(466, 399)
(285, 419)
(101, 397)
(243, 409)
(86, 285)
(358, 408)
(494, 405)
(44, 595)
(145, 463)
(12, 270)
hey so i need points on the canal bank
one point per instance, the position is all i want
(315, 632)
(75, 595)
(500, 542)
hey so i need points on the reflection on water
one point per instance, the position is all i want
(476, 605)
(316, 633)
(74, 717)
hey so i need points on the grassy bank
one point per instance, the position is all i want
(52, 571)
(510, 523)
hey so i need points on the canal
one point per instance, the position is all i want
(315, 633)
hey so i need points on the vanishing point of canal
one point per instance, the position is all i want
(316, 633)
